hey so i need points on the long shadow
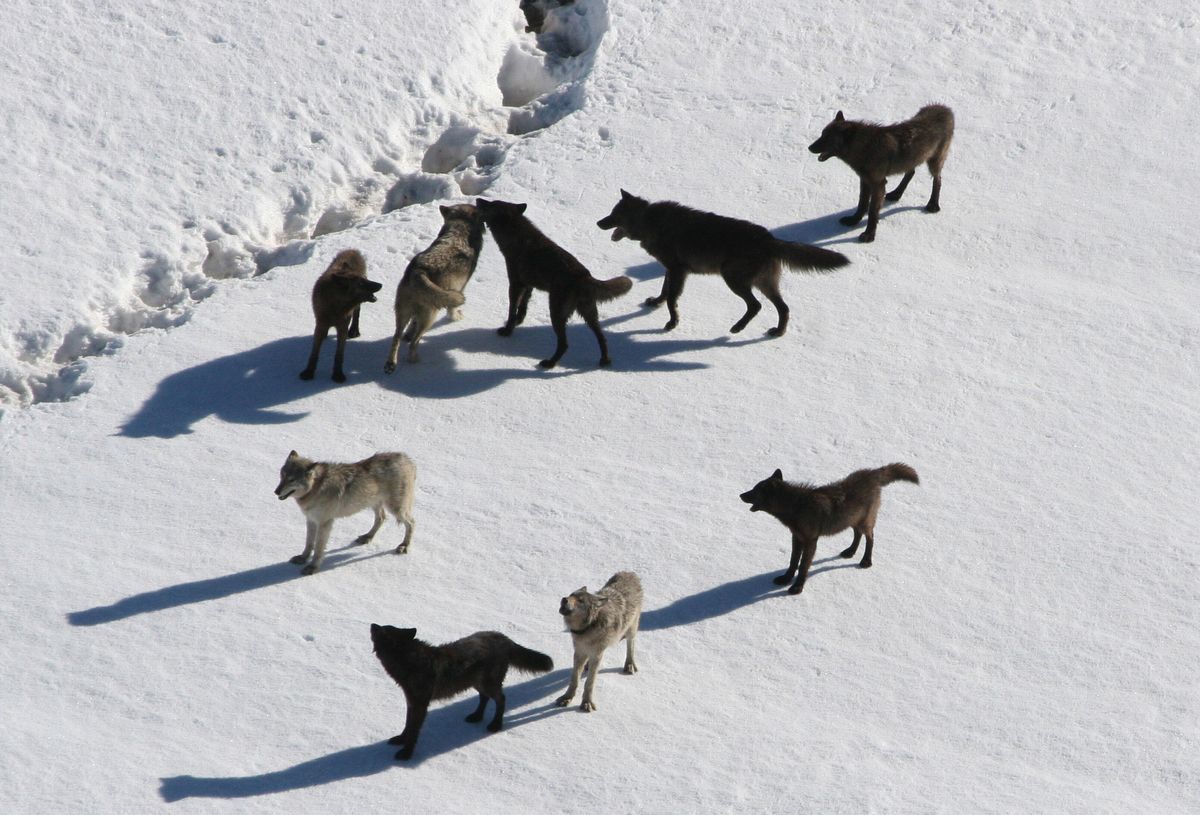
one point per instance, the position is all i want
(710, 603)
(443, 732)
(199, 591)
(828, 230)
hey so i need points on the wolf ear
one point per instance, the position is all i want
(839, 117)
(374, 627)
(293, 454)
(445, 210)
(626, 196)
(521, 208)
(580, 590)
(408, 633)
(777, 475)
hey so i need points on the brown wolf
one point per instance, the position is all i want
(435, 278)
(535, 261)
(428, 672)
(687, 240)
(877, 151)
(811, 512)
(336, 298)
(597, 621)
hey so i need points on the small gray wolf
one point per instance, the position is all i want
(428, 672)
(435, 278)
(811, 512)
(336, 297)
(327, 491)
(597, 621)
(685, 240)
(535, 12)
(535, 261)
(876, 151)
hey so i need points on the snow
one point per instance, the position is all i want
(176, 179)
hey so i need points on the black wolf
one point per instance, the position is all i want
(688, 240)
(811, 512)
(427, 672)
(535, 261)
(877, 151)
(336, 298)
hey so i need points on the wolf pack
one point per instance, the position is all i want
(684, 241)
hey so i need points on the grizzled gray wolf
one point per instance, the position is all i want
(336, 297)
(597, 621)
(686, 240)
(429, 672)
(812, 512)
(536, 262)
(876, 151)
(435, 279)
(326, 491)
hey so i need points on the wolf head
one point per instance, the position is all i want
(834, 138)
(347, 278)
(499, 212)
(466, 213)
(388, 638)
(762, 496)
(579, 608)
(625, 218)
(295, 477)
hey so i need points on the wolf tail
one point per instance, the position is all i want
(439, 297)
(808, 258)
(528, 660)
(612, 288)
(897, 472)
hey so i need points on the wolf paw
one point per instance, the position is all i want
(455, 314)
(670, 326)
(298, 559)
(588, 706)
(495, 727)
(397, 740)
(306, 374)
(866, 564)
(309, 569)
(848, 552)
(605, 362)
(932, 208)
(783, 579)
(547, 364)
(338, 377)
(402, 549)
(389, 367)
(353, 335)
(866, 237)
(404, 755)
(796, 589)
(474, 717)
(504, 331)
(652, 302)
(630, 668)
(776, 331)
(850, 220)
(361, 540)
(563, 700)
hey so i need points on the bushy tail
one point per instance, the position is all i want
(897, 472)
(528, 660)
(437, 296)
(808, 258)
(612, 288)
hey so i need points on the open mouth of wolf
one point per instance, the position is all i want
(749, 499)
(285, 495)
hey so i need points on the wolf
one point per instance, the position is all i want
(535, 261)
(428, 672)
(876, 151)
(686, 240)
(597, 621)
(811, 512)
(336, 297)
(435, 278)
(327, 491)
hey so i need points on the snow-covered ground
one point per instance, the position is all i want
(175, 179)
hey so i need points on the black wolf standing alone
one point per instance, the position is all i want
(535, 261)
(745, 254)
(812, 512)
(877, 151)
(428, 672)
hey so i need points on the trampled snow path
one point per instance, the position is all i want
(322, 163)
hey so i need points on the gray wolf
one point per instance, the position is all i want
(336, 297)
(326, 491)
(812, 512)
(428, 672)
(435, 278)
(535, 12)
(686, 240)
(876, 151)
(535, 261)
(597, 621)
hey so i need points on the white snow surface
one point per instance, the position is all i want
(177, 177)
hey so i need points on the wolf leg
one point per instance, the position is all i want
(786, 577)
(588, 705)
(655, 302)
(674, 287)
(413, 719)
(737, 283)
(560, 311)
(353, 333)
(409, 525)
(810, 549)
(592, 318)
(477, 716)
(319, 335)
(515, 292)
(310, 540)
(873, 215)
(933, 205)
(340, 353)
(852, 548)
(319, 552)
(576, 672)
(364, 539)
(630, 665)
(866, 561)
(394, 351)
(497, 694)
(421, 324)
(864, 197)
(895, 194)
(770, 288)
